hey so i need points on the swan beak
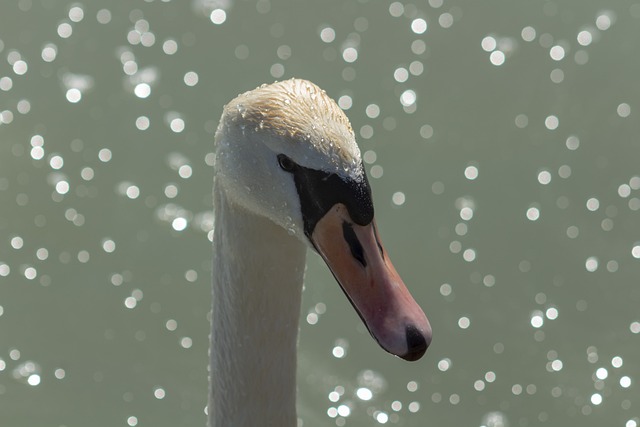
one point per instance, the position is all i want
(360, 264)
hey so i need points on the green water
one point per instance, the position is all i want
(502, 145)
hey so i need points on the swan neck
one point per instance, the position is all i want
(258, 271)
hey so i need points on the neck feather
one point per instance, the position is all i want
(258, 271)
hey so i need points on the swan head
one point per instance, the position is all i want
(287, 152)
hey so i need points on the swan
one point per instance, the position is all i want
(288, 175)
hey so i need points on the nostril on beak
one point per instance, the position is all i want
(416, 344)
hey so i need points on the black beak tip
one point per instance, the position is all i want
(417, 343)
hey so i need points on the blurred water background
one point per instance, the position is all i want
(502, 145)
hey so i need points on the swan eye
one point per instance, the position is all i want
(286, 163)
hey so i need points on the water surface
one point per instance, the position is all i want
(501, 141)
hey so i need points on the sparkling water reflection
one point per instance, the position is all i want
(502, 148)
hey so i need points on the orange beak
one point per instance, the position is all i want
(360, 264)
